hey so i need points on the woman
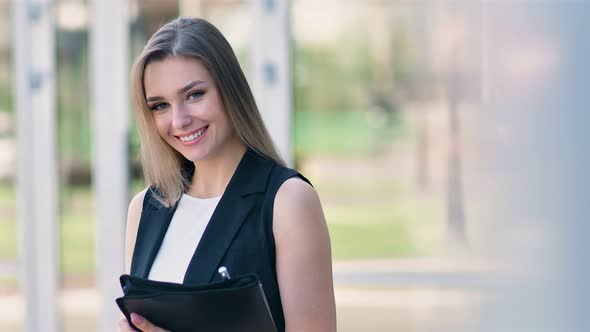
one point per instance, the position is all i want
(219, 192)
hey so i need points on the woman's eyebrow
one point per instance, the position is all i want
(181, 91)
(156, 98)
(189, 86)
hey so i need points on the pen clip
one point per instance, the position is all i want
(224, 273)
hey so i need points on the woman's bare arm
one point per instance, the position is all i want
(304, 263)
(133, 215)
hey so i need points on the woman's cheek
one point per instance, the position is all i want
(161, 127)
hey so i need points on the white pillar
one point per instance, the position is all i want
(271, 70)
(34, 70)
(110, 106)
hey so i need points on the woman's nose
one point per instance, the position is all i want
(180, 117)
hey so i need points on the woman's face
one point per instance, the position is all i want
(186, 106)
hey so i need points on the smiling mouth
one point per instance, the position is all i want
(193, 136)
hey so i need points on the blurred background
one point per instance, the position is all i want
(447, 141)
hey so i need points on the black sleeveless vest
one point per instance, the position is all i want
(238, 236)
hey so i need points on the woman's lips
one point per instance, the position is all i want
(194, 137)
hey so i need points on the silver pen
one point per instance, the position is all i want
(224, 273)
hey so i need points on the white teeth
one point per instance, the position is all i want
(193, 136)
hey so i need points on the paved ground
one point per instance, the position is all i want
(410, 295)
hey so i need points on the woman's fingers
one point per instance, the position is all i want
(144, 324)
(124, 325)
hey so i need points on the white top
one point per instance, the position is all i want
(182, 237)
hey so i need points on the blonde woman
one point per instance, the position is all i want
(219, 193)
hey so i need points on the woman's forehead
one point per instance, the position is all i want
(173, 73)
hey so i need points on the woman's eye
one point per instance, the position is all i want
(196, 94)
(158, 107)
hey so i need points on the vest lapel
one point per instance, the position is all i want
(150, 236)
(233, 208)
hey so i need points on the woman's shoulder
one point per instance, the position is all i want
(136, 204)
(296, 191)
(292, 190)
(296, 210)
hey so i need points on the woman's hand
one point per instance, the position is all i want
(142, 323)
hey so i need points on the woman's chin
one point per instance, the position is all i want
(195, 157)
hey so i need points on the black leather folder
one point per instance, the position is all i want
(236, 304)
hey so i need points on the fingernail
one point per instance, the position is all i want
(137, 319)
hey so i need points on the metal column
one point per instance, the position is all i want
(34, 70)
(271, 70)
(110, 107)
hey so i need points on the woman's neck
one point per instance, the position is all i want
(212, 176)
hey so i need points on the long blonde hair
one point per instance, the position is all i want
(164, 167)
